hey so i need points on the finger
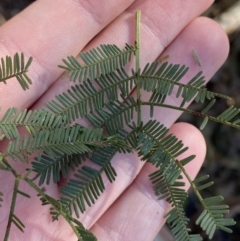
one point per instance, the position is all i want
(47, 31)
(212, 50)
(137, 214)
(158, 17)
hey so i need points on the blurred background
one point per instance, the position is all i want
(223, 157)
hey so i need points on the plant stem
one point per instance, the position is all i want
(203, 115)
(13, 75)
(14, 199)
(200, 198)
(137, 45)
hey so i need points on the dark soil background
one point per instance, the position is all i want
(222, 161)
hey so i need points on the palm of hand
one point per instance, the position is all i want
(128, 210)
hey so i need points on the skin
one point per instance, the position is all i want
(51, 30)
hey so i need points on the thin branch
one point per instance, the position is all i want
(203, 115)
(137, 45)
(13, 204)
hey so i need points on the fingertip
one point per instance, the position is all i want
(213, 43)
(207, 39)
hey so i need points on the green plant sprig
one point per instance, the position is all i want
(104, 98)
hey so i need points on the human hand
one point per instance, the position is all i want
(51, 30)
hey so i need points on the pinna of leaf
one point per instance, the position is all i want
(63, 146)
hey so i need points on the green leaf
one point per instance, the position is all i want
(160, 149)
(115, 116)
(68, 141)
(85, 234)
(209, 106)
(204, 123)
(212, 217)
(15, 67)
(33, 121)
(176, 196)
(89, 96)
(48, 167)
(161, 80)
(103, 157)
(85, 189)
(229, 114)
(99, 61)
